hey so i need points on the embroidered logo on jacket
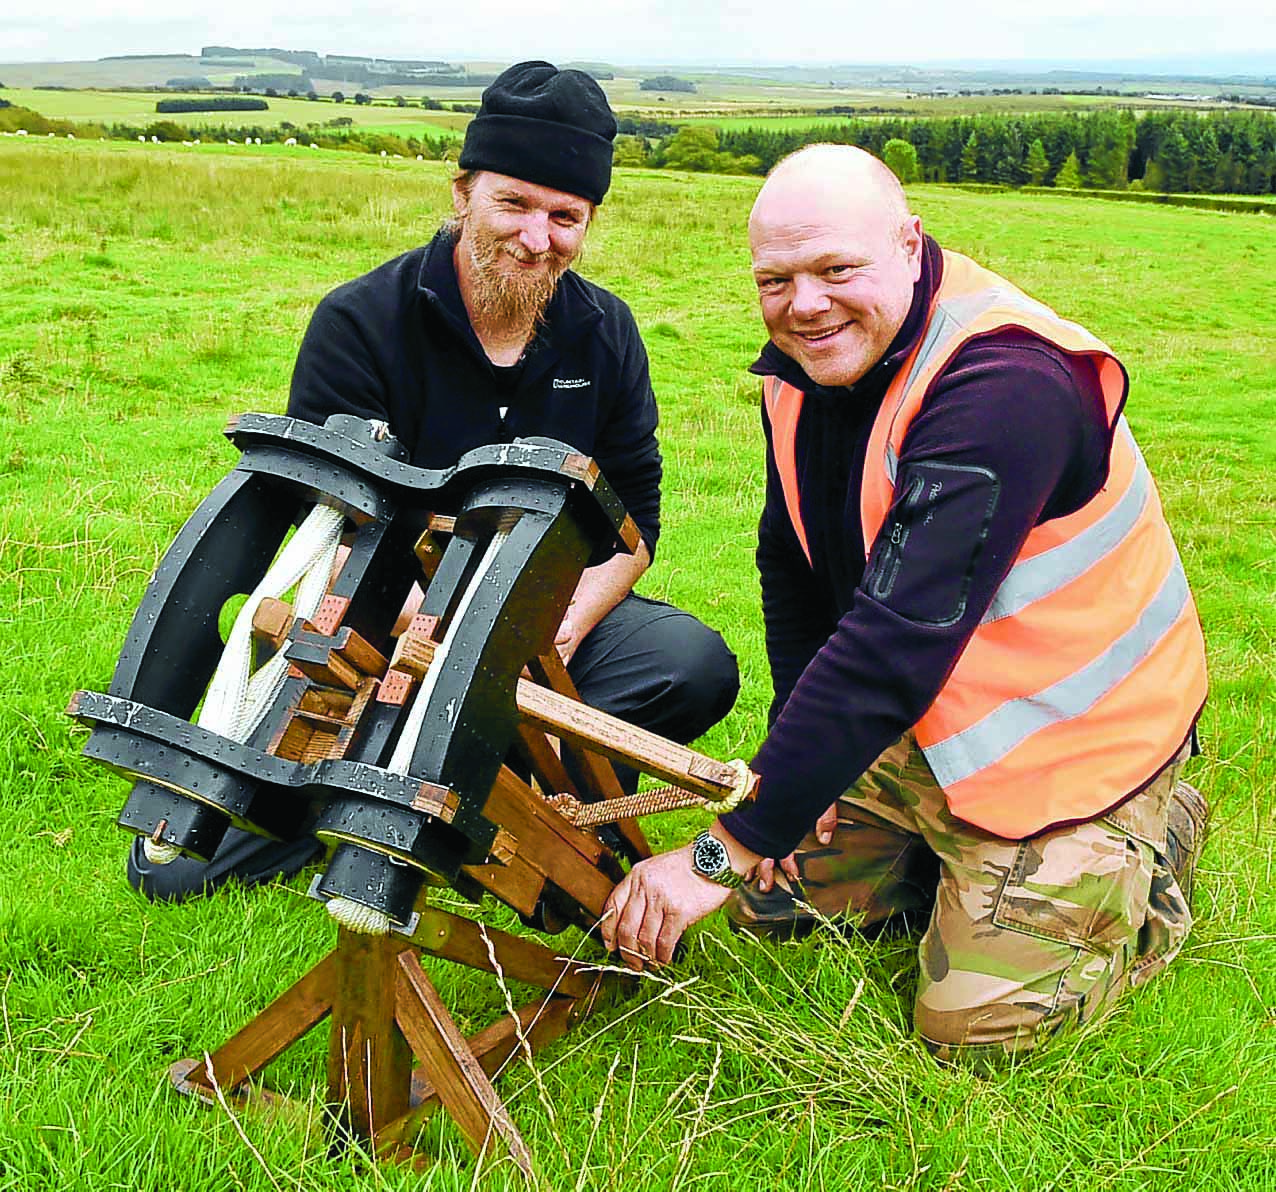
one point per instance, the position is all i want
(571, 383)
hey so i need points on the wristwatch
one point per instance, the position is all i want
(710, 859)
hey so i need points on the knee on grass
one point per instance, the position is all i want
(988, 1035)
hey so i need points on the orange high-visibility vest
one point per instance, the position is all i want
(1087, 672)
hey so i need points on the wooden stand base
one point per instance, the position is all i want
(385, 1013)
(395, 1053)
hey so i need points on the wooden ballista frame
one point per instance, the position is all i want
(491, 722)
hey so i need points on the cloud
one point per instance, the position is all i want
(652, 31)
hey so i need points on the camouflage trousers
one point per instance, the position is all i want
(1025, 937)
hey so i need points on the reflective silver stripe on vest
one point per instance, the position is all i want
(892, 463)
(966, 308)
(997, 734)
(948, 318)
(954, 313)
(1049, 571)
(942, 326)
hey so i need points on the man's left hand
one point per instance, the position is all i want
(657, 901)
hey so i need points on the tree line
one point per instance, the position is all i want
(1170, 152)
(338, 133)
(1219, 152)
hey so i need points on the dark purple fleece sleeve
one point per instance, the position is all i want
(1022, 434)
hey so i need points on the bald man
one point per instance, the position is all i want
(986, 662)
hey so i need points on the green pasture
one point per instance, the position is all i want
(723, 102)
(149, 294)
(782, 118)
(138, 108)
(114, 72)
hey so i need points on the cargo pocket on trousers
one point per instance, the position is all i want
(1084, 887)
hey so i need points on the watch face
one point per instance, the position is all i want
(709, 855)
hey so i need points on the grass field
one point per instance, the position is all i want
(724, 103)
(138, 109)
(150, 294)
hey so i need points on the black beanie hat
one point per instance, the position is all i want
(544, 125)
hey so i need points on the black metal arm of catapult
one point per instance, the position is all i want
(394, 784)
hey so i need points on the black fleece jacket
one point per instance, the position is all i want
(397, 344)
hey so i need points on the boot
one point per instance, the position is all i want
(869, 876)
(1188, 825)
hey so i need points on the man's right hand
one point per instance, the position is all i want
(823, 833)
(568, 636)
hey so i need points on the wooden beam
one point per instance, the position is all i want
(547, 767)
(597, 774)
(539, 1022)
(416, 652)
(517, 883)
(459, 939)
(567, 856)
(587, 727)
(514, 805)
(247, 1096)
(447, 1062)
(369, 1061)
(304, 1004)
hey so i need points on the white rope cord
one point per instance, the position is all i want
(160, 853)
(354, 916)
(235, 702)
(407, 742)
(307, 557)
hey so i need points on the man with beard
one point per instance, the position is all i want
(483, 336)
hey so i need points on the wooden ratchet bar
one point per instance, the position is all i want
(587, 727)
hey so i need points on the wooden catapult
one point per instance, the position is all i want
(455, 754)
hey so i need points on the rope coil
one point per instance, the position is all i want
(236, 699)
(665, 798)
(354, 916)
(159, 852)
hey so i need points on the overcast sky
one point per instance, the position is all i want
(652, 31)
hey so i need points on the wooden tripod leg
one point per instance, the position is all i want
(276, 1028)
(369, 1063)
(449, 1064)
(465, 941)
(547, 767)
(539, 1022)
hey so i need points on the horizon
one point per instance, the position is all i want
(1248, 63)
(1173, 36)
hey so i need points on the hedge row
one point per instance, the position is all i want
(220, 103)
(1208, 202)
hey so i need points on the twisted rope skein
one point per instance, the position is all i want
(235, 702)
(664, 798)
